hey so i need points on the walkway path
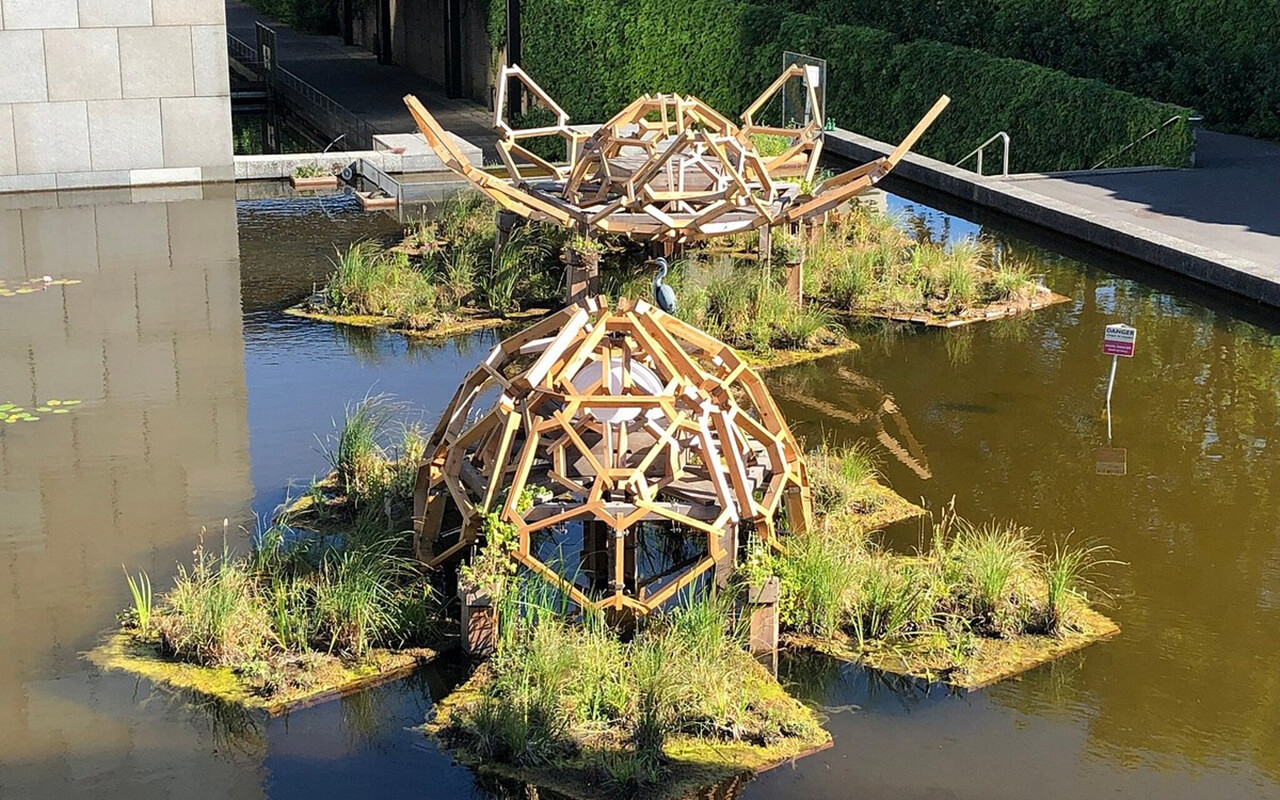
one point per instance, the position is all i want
(354, 79)
(1230, 201)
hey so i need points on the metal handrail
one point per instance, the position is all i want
(1151, 132)
(1004, 170)
(353, 129)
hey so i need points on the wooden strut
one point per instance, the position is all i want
(666, 168)
(616, 417)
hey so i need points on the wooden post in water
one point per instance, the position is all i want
(762, 611)
(479, 624)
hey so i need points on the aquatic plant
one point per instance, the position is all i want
(11, 413)
(355, 598)
(305, 171)
(364, 471)
(140, 589)
(555, 687)
(839, 475)
(1068, 577)
(748, 308)
(368, 280)
(867, 262)
(211, 616)
(983, 565)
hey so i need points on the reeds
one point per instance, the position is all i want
(140, 589)
(300, 596)
(840, 476)
(747, 307)
(867, 262)
(968, 580)
(556, 686)
(368, 280)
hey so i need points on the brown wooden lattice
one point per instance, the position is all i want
(616, 417)
(667, 167)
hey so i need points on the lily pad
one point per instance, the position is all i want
(44, 409)
(61, 411)
(6, 407)
(50, 403)
(30, 419)
(72, 402)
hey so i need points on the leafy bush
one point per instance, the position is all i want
(1225, 64)
(726, 52)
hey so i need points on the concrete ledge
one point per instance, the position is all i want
(1203, 264)
(416, 158)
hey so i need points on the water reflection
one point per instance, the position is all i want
(1186, 701)
(150, 341)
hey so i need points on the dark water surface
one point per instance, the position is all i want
(202, 402)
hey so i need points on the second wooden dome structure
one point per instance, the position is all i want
(615, 421)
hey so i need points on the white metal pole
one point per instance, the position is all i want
(1111, 384)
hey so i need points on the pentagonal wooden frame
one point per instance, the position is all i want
(623, 415)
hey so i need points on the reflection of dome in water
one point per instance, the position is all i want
(678, 433)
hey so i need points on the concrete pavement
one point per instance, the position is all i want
(354, 79)
(1229, 202)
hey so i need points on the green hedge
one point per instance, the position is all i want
(1220, 57)
(311, 16)
(594, 56)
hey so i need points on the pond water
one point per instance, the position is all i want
(202, 402)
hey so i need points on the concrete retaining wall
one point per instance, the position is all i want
(113, 93)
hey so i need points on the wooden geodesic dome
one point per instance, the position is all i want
(614, 419)
(667, 167)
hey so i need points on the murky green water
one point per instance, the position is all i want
(201, 401)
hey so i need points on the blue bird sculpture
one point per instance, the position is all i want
(663, 294)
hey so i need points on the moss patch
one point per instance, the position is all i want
(981, 312)
(694, 763)
(328, 677)
(878, 507)
(775, 359)
(993, 661)
(460, 324)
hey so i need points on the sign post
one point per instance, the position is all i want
(1117, 341)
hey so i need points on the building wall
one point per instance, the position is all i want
(418, 34)
(113, 93)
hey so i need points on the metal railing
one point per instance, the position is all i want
(1004, 167)
(1132, 144)
(322, 111)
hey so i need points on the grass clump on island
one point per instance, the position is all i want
(445, 270)
(864, 262)
(325, 596)
(570, 706)
(739, 303)
(976, 603)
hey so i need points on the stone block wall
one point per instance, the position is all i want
(113, 93)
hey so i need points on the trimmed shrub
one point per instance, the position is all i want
(726, 52)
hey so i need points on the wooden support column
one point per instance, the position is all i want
(479, 624)
(726, 565)
(762, 611)
(581, 274)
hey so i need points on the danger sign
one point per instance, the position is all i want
(1119, 340)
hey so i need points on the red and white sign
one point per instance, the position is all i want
(1119, 340)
